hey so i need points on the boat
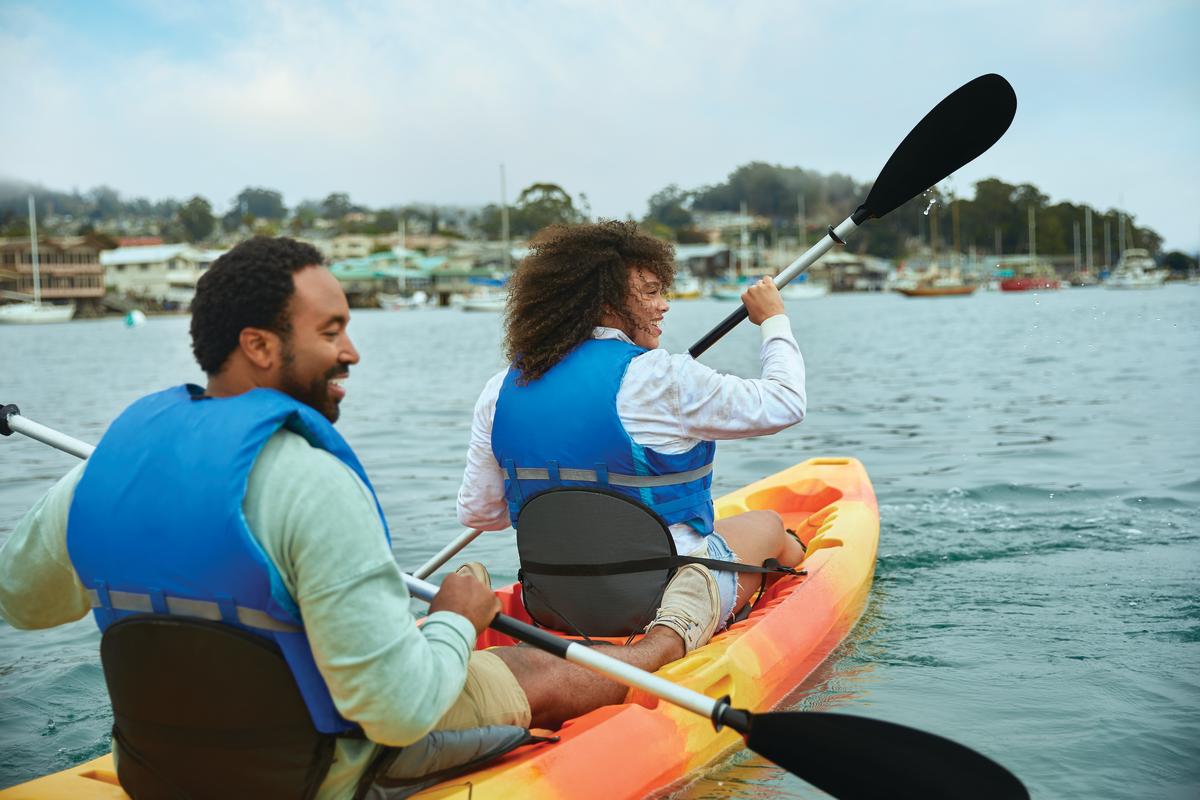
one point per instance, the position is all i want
(686, 287)
(647, 746)
(484, 302)
(1033, 275)
(933, 290)
(930, 282)
(1136, 270)
(399, 302)
(35, 312)
(726, 290)
(1029, 283)
(800, 289)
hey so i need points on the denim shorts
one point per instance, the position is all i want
(727, 582)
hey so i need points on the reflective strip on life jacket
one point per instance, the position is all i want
(182, 607)
(613, 478)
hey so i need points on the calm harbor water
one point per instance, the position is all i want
(1036, 458)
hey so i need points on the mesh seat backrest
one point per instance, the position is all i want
(589, 529)
(202, 709)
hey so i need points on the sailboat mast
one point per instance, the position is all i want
(1032, 240)
(504, 221)
(33, 240)
(744, 240)
(1087, 237)
(403, 231)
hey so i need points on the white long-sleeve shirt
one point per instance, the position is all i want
(667, 402)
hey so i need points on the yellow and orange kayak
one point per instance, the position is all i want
(646, 745)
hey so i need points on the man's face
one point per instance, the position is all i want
(317, 354)
(647, 302)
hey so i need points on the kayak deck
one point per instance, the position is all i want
(646, 745)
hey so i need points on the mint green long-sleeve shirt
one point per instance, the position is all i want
(317, 522)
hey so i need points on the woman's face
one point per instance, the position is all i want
(647, 302)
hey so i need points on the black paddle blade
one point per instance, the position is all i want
(956, 132)
(855, 757)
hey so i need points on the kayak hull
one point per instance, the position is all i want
(646, 746)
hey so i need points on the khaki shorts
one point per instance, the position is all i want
(491, 696)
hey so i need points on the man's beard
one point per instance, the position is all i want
(315, 393)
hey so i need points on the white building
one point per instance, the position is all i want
(164, 273)
(344, 246)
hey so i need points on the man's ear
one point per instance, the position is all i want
(262, 347)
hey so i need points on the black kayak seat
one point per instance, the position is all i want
(595, 562)
(202, 709)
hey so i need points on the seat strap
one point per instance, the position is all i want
(651, 564)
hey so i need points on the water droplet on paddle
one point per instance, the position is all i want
(932, 200)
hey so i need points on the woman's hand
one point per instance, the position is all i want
(762, 300)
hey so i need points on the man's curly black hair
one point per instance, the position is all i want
(248, 287)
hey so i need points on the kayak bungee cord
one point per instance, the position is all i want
(821, 748)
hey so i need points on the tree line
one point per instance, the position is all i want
(254, 209)
(994, 220)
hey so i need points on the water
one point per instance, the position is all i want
(1036, 458)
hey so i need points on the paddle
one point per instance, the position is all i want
(957, 131)
(11, 420)
(847, 756)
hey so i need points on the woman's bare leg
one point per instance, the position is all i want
(755, 536)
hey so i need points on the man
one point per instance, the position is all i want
(242, 496)
(589, 384)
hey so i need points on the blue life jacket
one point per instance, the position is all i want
(563, 430)
(156, 524)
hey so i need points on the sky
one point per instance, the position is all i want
(421, 102)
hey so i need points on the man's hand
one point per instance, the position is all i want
(464, 595)
(762, 300)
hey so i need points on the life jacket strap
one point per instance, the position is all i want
(613, 478)
(183, 607)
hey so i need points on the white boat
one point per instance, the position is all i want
(1136, 270)
(725, 293)
(804, 290)
(687, 287)
(484, 302)
(37, 312)
(398, 302)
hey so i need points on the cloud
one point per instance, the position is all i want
(400, 102)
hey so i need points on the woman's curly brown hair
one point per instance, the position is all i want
(571, 277)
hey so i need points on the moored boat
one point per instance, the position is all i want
(484, 302)
(1029, 283)
(931, 290)
(804, 290)
(1136, 270)
(36, 313)
(645, 745)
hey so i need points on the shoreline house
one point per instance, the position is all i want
(68, 266)
(164, 274)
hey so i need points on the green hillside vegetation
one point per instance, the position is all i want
(993, 219)
(997, 213)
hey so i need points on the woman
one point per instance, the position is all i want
(590, 386)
